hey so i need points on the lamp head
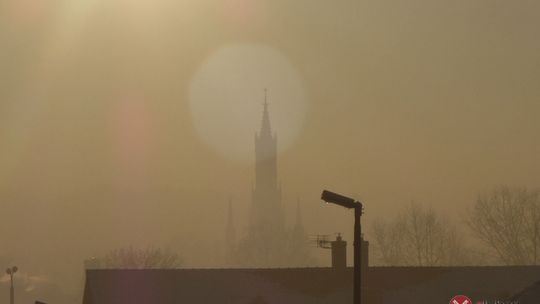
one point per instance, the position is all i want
(8, 271)
(338, 199)
(14, 269)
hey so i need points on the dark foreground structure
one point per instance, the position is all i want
(308, 285)
(530, 294)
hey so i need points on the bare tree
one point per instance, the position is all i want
(507, 220)
(389, 242)
(130, 258)
(418, 237)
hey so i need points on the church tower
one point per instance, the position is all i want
(265, 241)
(266, 213)
(230, 237)
(268, 243)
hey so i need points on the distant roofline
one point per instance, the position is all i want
(322, 268)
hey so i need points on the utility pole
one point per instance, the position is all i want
(11, 271)
(357, 254)
(338, 199)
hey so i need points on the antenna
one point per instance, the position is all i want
(321, 241)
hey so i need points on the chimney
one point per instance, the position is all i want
(365, 254)
(339, 253)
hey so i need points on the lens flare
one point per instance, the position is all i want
(227, 94)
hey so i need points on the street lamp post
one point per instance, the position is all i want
(11, 271)
(338, 199)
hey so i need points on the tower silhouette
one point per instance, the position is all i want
(268, 243)
(230, 236)
(266, 211)
(298, 241)
(298, 233)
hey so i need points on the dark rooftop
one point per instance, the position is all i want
(305, 285)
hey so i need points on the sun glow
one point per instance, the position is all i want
(61, 29)
(227, 94)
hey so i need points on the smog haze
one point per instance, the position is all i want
(132, 123)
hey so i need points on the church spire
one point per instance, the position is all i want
(231, 234)
(298, 227)
(266, 129)
(299, 252)
(230, 238)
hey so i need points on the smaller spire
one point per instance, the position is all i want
(266, 129)
(230, 238)
(299, 227)
(298, 238)
(231, 235)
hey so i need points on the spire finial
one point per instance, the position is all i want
(299, 226)
(266, 130)
(230, 224)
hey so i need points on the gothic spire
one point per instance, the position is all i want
(231, 235)
(266, 129)
(298, 227)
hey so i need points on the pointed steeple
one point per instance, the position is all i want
(230, 238)
(266, 224)
(266, 152)
(298, 226)
(299, 251)
(266, 129)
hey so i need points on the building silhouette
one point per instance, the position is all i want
(268, 242)
(383, 285)
(230, 236)
(266, 217)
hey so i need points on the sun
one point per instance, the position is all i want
(227, 93)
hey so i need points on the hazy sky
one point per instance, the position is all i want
(106, 121)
